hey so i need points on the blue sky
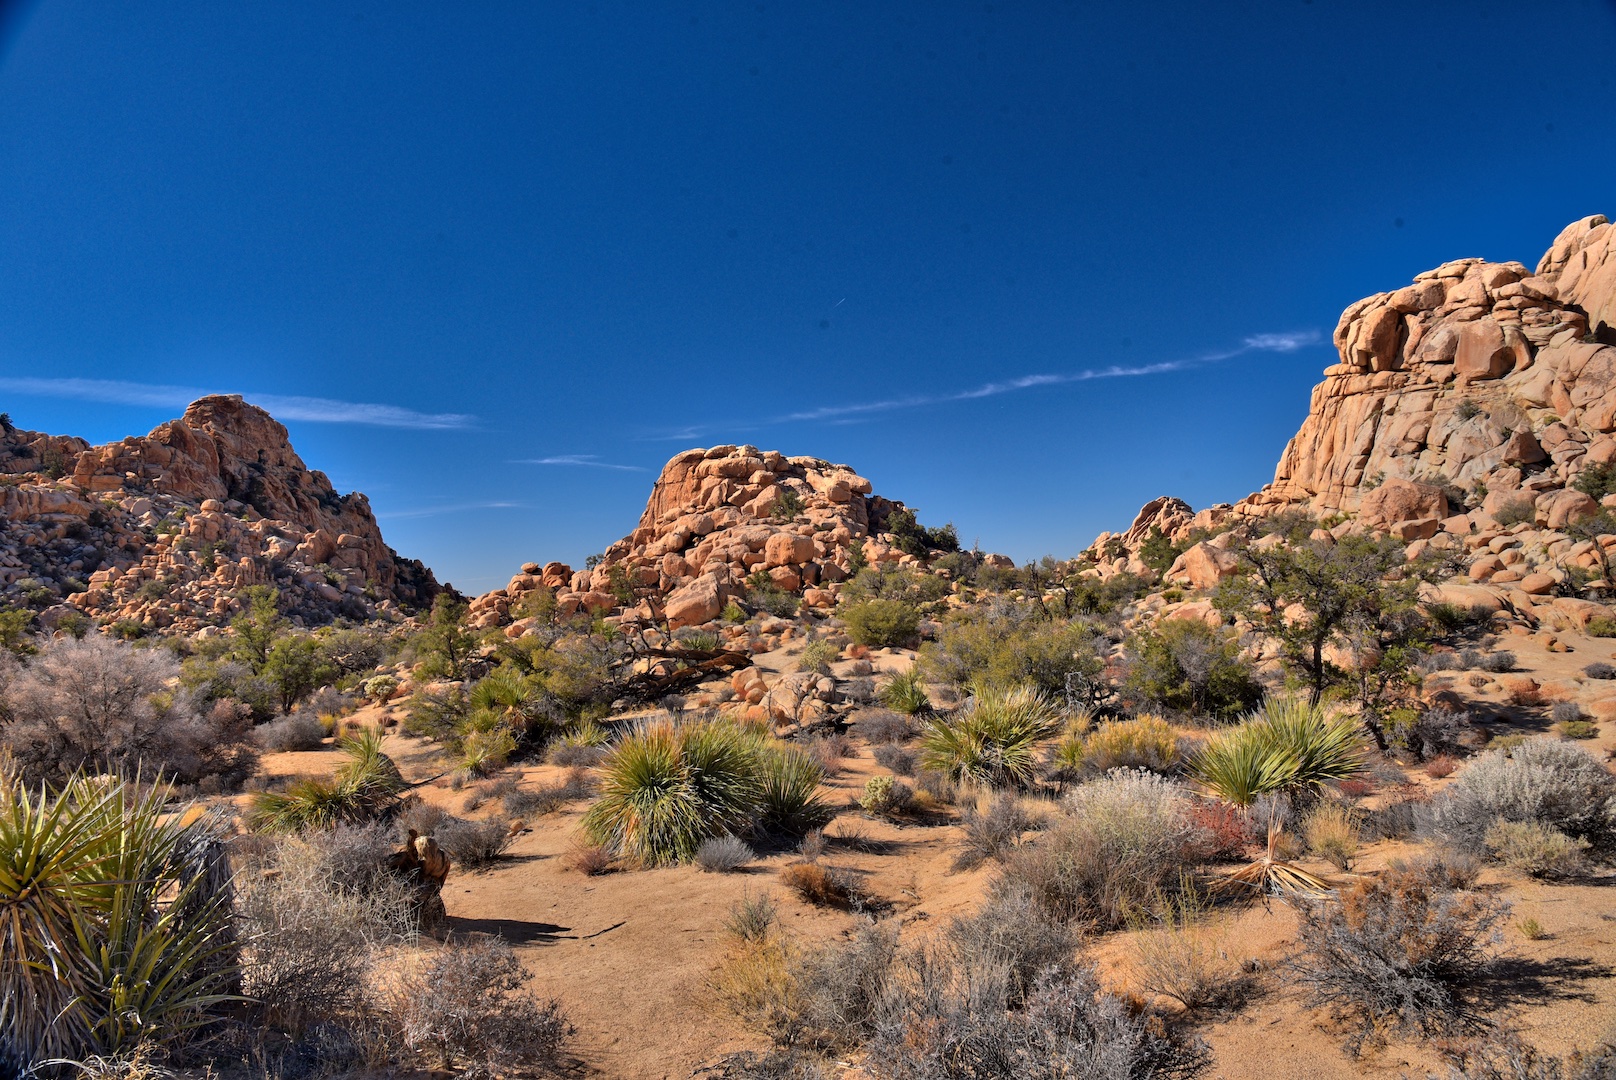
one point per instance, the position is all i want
(1024, 265)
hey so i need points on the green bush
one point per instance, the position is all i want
(995, 738)
(1290, 746)
(1006, 644)
(1188, 668)
(884, 795)
(881, 622)
(1598, 480)
(366, 785)
(1602, 626)
(1515, 512)
(817, 656)
(1537, 849)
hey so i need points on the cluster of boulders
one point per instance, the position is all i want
(715, 519)
(1463, 411)
(165, 530)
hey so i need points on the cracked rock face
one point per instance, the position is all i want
(1477, 372)
(164, 529)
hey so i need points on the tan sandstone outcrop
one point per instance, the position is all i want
(715, 518)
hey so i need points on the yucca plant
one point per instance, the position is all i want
(905, 692)
(993, 741)
(788, 799)
(665, 788)
(109, 937)
(364, 786)
(1290, 747)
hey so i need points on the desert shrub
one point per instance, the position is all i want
(1565, 712)
(467, 1006)
(883, 795)
(957, 1027)
(435, 714)
(380, 688)
(1398, 951)
(788, 782)
(1497, 662)
(828, 750)
(473, 844)
(1579, 729)
(1331, 831)
(1427, 733)
(1011, 932)
(991, 833)
(698, 640)
(1516, 512)
(752, 917)
(101, 705)
(881, 622)
(366, 785)
(1536, 849)
(936, 786)
(584, 744)
(548, 798)
(1289, 747)
(590, 859)
(723, 854)
(1596, 480)
(300, 731)
(993, 741)
(1180, 956)
(1394, 821)
(1600, 671)
(1123, 842)
(787, 1064)
(883, 726)
(820, 885)
(1440, 766)
(1142, 742)
(859, 690)
(898, 760)
(817, 656)
(1543, 780)
(1601, 626)
(1005, 644)
(905, 692)
(115, 928)
(1188, 668)
(666, 788)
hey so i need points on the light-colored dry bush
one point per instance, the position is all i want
(1182, 955)
(724, 854)
(101, 705)
(300, 731)
(1547, 781)
(1121, 843)
(468, 1009)
(1142, 742)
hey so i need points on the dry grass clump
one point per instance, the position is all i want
(473, 844)
(884, 726)
(1332, 832)
(820, 885)
(468, 1009)
(590, 859)
(991, 833)
(1182, 956)
(1123, 842)
(1143, 742)
(1400, 952)
(898, 760)
(1537, 849)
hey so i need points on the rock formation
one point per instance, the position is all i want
(715, 518)
(167, 528)
(1463, 411)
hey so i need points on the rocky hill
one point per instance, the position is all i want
(715, 518)
(165, 529)
(1474, 399)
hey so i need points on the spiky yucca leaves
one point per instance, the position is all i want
(994, 740)
(666, 788)
(788, 799)
(905, 692)
(1290, 746)
(106, 937)
(364, 786)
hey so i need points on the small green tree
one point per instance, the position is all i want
(1355, 592)
(1187, 667)
(14, 636)
(6, 426)
(445, 644)
(1159, 552)
(258, 625)
(297, 666)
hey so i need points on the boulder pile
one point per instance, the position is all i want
(716, 518)
(164, 530)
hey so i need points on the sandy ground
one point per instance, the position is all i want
(630, 952)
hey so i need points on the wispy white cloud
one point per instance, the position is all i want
(310, 409)
(460, 508)
(591, 461)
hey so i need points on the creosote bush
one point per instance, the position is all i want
(881, 622)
